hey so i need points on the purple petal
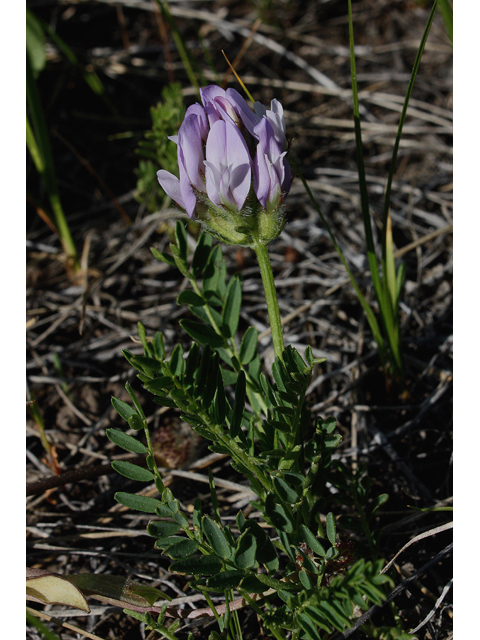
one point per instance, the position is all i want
(225, 109)
(208, 95)
(276, 118)
(188, 195)
(191, 146)
(269, 167)
(197, 110)
(228, 166)
(171, 185)
(277, 121)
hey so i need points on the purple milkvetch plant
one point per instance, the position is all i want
(233, 171)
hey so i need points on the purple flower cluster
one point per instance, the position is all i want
(224, 149)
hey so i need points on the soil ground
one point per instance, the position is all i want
(298, 54)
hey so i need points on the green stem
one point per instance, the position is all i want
(270, 296)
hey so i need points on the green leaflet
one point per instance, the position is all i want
(204, 334)
(312, 541)
(132, 471)
(160, 529)
(204, 566)
(191, 298)
(231, 307)
(248, 346)
(246, 550)
(201, 254)
(138, 503)
(331, 530)
(229, 579)
(181, 238)
(216, 538)
(284, 491)
(123, 409)
(129, 443)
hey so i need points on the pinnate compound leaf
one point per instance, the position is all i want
(132, 471)
(138, 503)
(204, 566)
(202, 333)
(129, 443)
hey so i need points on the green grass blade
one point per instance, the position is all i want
(389, 305)
(396, 146)
(34, 149)
(371, 255)
(40, 134)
